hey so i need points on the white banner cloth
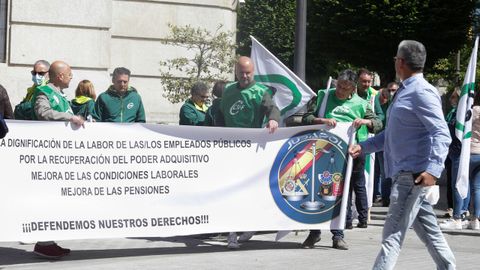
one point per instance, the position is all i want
(143, 180)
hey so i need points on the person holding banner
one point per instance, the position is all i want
(342, 104)
(50, 104)
(246, 104)
(415, 143)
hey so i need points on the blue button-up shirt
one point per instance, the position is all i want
(416, 136)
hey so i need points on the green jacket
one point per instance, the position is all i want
(344, 111)
(190, 115)
(83, 106)
(57, 101)
(112, 107)
(249, 107)
(378, 110)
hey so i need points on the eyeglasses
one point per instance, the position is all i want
(41, 73)
(396, 57)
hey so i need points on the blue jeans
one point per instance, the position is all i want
(378, 176)
(408, 207)
(385, 184)
(357, 185)
(475, 183)
(460, 205)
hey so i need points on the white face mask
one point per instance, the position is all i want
(38, 79)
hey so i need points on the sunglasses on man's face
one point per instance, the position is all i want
(41, 73)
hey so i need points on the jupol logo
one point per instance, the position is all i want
(130, 105)
(307, 177)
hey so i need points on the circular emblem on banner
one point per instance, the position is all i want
(307, 177)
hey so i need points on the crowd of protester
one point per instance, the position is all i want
(368, 111)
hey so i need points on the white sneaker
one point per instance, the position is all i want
(244, 237)
(474, 224)
(232, 241)
(451, 224)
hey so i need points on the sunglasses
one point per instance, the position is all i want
(41, 73)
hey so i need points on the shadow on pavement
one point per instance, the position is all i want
(12, 256)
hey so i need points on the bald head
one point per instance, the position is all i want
(60, 74)
(244, 70)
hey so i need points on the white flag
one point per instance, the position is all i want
(463, 127)
(292, 93)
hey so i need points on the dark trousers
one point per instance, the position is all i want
(336, 234)
(378, 176)
(357, 185)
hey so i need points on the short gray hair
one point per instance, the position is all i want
(348, 75)
(414, 54)
(198, 88)
(120, 71)
(43, 63)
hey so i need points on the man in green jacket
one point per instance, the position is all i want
(121, 102)
(342, 104)
(246, 104)
(50, 104)
(194, 109)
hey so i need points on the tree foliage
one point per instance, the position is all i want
(212, 58)
(361, 33)
(271, 22)
(367, 33)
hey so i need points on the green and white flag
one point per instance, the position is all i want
(463, 127)
(292, 93)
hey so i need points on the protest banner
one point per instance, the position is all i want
(144, 180)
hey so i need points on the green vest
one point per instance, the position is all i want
(344, 110)
(57, 101)
(243, 107)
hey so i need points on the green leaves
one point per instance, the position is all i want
(213, 59)
(356, 33)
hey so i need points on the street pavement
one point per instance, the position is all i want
(262, 252)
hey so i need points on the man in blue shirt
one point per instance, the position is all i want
(415, 144)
